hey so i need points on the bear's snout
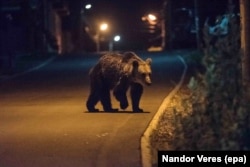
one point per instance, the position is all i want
(148, 81)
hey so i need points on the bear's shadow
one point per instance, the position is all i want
(117, 112)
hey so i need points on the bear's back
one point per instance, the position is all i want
(111, 63)
(111, 68)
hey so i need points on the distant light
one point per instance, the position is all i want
(88, 6)
(117, 38)
(152, 17)
(103, 26)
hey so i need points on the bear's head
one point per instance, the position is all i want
(142, 71)
(138, 69)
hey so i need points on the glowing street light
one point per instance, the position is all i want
(156, 21)
(116, 38)
(152, 17)
(102, 27)
(88, 6)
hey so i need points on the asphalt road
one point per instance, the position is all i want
(44, 121)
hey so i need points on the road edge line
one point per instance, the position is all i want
(146, 158)
(29, 70)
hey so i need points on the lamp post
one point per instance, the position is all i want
(111, 42)
(103, 27)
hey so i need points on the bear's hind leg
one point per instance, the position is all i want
(106, 100)
(92, 101)
(136, 93)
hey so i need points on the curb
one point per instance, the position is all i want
(146, 158)
(29, 70)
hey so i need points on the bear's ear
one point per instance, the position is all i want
(127, 56)
(149, 61)
(135, 64)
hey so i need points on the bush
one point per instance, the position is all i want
(220, 118)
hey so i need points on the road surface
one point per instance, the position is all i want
(44, 121)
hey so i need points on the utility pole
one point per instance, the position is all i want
(163, 25)
(197, 28)
(44, 18)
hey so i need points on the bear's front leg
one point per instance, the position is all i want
(106, 100)
(136, 93)
(122, 98)
(120, 92)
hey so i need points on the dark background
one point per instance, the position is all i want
(31, 26)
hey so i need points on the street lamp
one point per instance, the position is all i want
(103, 27)
(88, 6)
(116, 38)
(156, 22)
(151, 18)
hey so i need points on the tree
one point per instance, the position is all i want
(245, 45)
(218, 117)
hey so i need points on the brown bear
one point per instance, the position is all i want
(118, 72)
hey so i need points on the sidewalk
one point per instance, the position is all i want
(22, 64)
